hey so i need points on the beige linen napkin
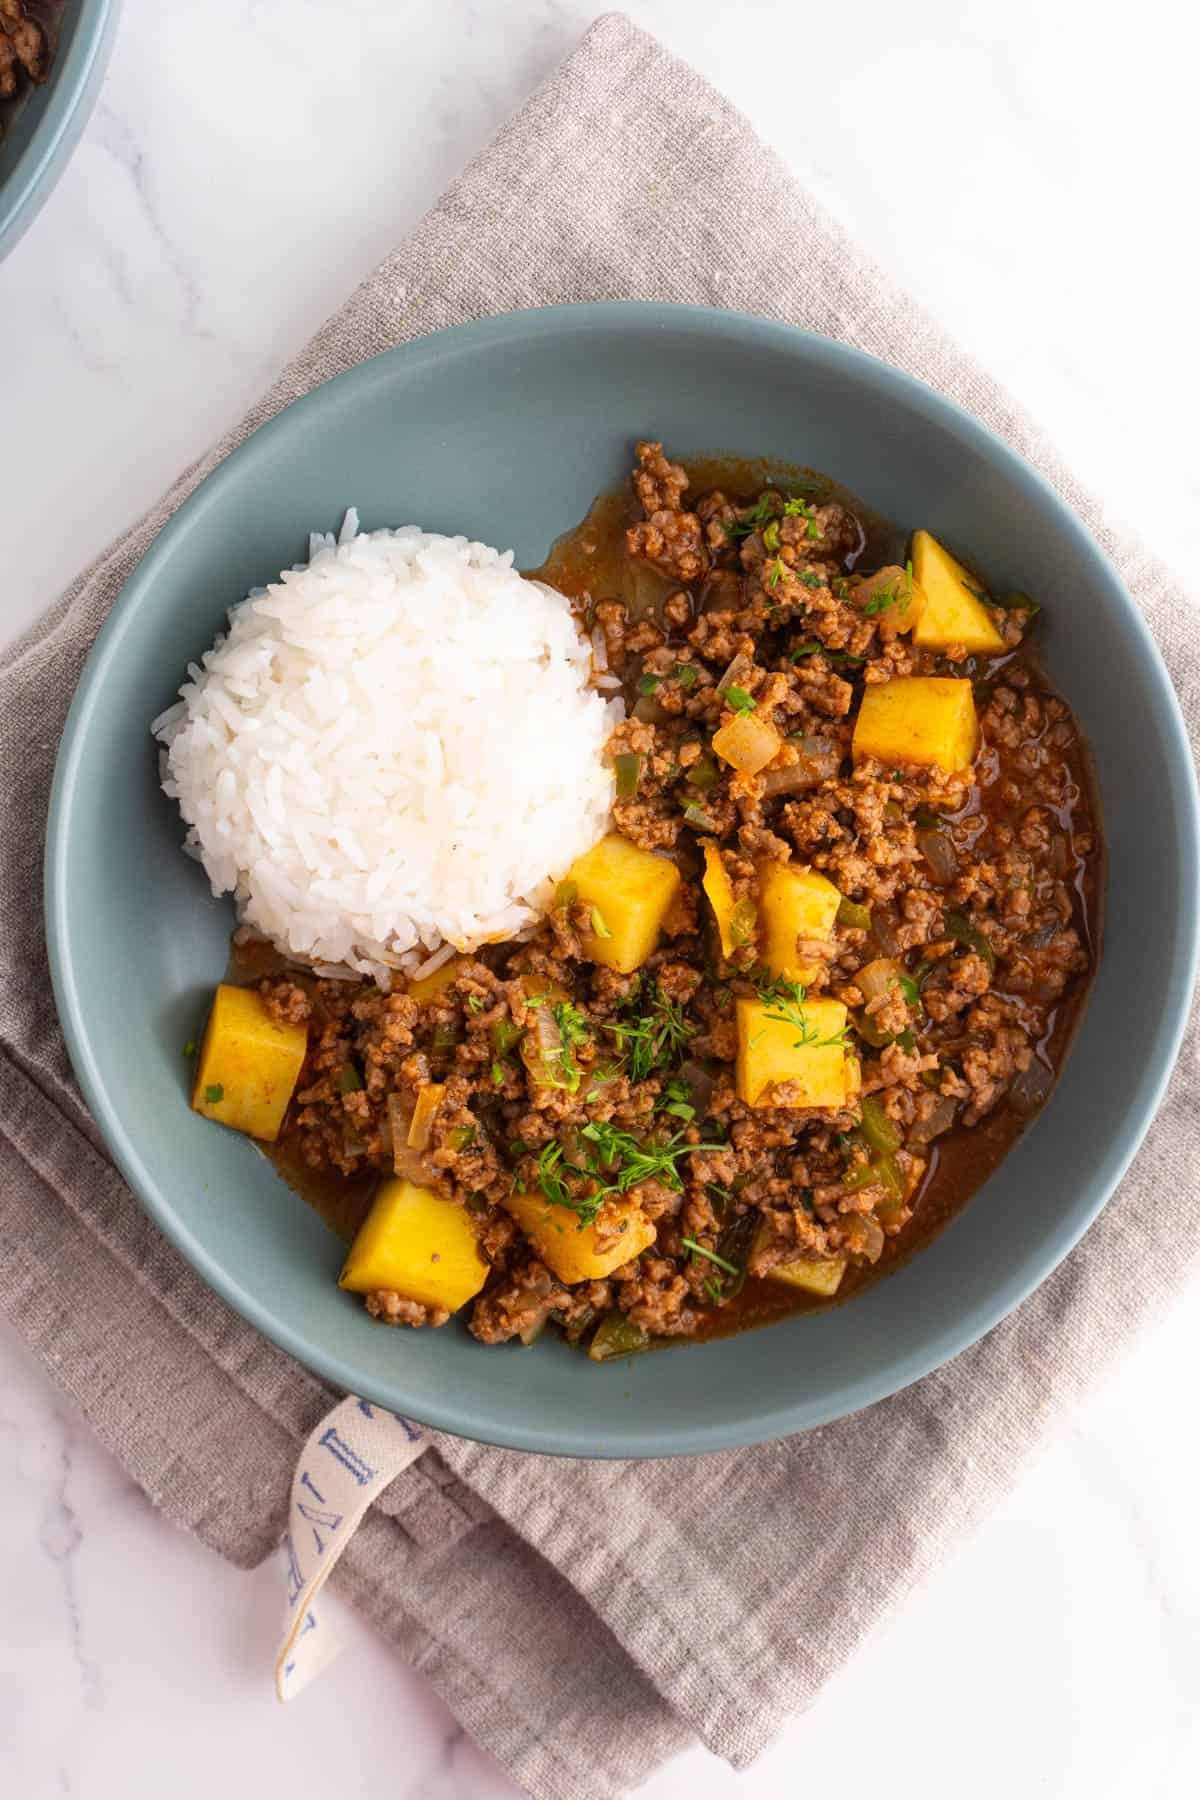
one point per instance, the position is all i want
(558, 1606)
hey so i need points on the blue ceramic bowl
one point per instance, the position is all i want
(505, 430)
(50, 121)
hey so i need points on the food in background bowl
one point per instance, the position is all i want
(783, 1011)
(53, 54)
(25, 50)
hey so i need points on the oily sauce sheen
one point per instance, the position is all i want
(592, 564)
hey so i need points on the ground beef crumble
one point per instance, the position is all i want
(967, 887)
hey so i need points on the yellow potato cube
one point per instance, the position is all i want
(953, 612)
(569, 1251)
(412, 1242)
(630, 892)
(249, 1064)
(794, 903)
(803, 1048)
(747, 743)
(815, 1274)
(719, 888)
(442, 976)
(924, 719)
(818, 1275)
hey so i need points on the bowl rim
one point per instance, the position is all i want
(449, 1414)
(71, 89)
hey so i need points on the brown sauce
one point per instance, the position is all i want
(590, 563)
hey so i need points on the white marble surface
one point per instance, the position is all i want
(1028, 170)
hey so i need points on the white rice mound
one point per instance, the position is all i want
(394, 748)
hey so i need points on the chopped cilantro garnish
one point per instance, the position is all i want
(699, 1250)
(686, 675)
(550, 1178)
(601, 1076)
(784, 1001)
(214, 1094)
(610, 1162)
(886, 597)
(648, 683)
(833, 656)
(559, 1061)
(676, 1099)
(802, 509)
(738, 700)
(762, 510)
(656, 1037)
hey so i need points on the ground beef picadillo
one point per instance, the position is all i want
(975, 885)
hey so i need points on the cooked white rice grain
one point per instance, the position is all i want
(393, 748)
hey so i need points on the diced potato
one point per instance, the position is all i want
(953, 612)
(249, 1064)
(892, 596)
(747, 743)
(570, 1252)
(797, 1051)
(719, 889)
(924, 719)
(429, 985)
(412, 1242)
(631, 890)
(794, 903)
(817, 1275)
